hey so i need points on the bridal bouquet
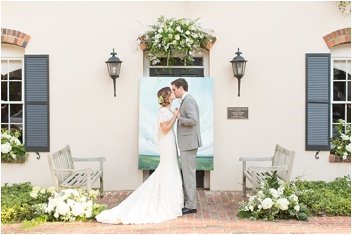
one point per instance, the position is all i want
(274, 200)
(67, 205)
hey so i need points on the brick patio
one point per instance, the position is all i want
(217, 213)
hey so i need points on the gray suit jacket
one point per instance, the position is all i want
(188, 129)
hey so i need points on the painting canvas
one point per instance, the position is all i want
(201, 88)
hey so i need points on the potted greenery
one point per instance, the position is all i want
(12, 150)
(341, 144)
(175, 37)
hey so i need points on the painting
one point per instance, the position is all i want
(201, 88)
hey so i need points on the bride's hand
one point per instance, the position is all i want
(176, 112)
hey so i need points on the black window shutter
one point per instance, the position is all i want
(318, 101)
(36, 69)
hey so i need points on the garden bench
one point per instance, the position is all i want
(65, 175)
(281, 162)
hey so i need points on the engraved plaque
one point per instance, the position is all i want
(237, 112)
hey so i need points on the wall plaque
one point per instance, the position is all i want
(237, 112)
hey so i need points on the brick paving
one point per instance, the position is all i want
(217, 213)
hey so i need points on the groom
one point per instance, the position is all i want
(189, 140)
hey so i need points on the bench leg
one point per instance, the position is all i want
(243, 179)
(101, 186)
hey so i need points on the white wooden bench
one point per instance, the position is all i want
(281, 162)
(65, 175)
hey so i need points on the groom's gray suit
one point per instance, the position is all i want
(189, 140)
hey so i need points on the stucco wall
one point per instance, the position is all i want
(78, 36)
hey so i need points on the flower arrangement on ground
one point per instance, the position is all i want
(341, 144)
(276, 199)
(175, 37)
(68, 204)
(12, 150)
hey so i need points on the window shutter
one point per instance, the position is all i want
(37, 103)
(318, 101)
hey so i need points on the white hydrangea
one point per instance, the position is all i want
(267, 203)
(6, 148)
(296, 207)
(77, 209)
(293, 197)
(274, 193)
(282, 203)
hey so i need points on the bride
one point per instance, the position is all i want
(160, 197)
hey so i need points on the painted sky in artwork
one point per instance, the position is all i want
(201, 88)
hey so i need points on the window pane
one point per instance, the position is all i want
(334, 131)
(348, 69)
(4, 113)
(349, 91)
(339, 91)
(4, 91)
(15, 91)
(17, 127)
(4, 127)
(16, 75)
(348, 113)
(16, 113)
(4, 69)
(339, 70)
(338, 112)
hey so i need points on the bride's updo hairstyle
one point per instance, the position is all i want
(163, 96)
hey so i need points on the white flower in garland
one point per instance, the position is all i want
(175, 37)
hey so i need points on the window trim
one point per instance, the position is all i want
(23, 133)
(332, 102)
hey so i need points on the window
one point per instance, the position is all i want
(340, 92)
(199, 68)
(12, 94)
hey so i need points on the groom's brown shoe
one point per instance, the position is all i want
(188, 211)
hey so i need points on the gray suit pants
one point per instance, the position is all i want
(188, 165)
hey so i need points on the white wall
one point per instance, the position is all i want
(78, 36)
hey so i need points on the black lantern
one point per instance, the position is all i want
(114, 65)
(238, 67)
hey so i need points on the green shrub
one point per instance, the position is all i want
(326, 198)
(16, 202)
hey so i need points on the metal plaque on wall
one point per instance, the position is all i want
(237, 112)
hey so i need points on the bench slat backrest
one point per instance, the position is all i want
(62, 159)
(283, 157)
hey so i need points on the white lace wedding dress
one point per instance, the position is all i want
(160, 197)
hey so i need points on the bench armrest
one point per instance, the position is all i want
(267, 168)
(247, 159)
(100, 159)
(59, 171)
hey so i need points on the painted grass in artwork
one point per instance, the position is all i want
(150, 162)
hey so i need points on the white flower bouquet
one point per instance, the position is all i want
(274, 200)
(12, 150)
(175, 37)
(68, 204)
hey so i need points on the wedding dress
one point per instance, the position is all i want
(160, 197)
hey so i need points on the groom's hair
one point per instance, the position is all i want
(180, 82)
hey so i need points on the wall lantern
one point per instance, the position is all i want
(114, 65)
(238, 67)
